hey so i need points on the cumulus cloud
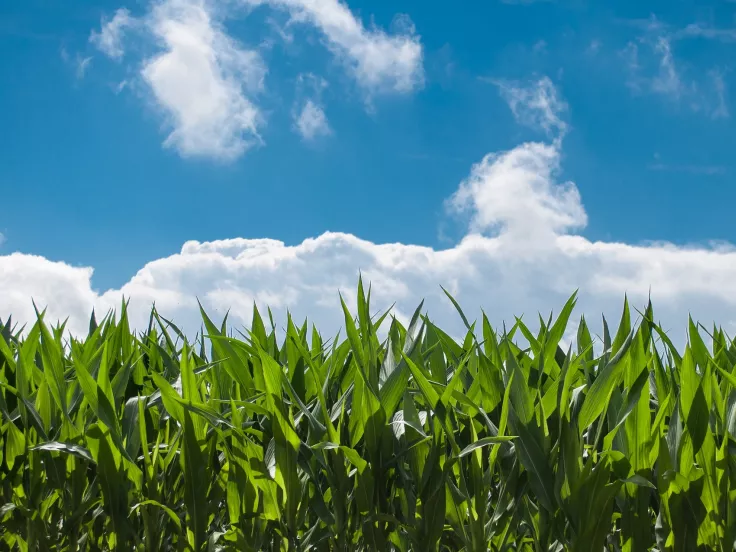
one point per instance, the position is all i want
(520, 257)
(201, 80)
(64, 288)
(515, 194)
(305, 278)
(109, 39)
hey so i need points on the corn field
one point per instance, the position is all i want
(412, 441)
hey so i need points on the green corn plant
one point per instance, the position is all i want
(506, 440)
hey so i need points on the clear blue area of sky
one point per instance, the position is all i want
(84, 177)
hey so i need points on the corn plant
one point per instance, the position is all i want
(505, 441)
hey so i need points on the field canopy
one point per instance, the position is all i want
(506, 439)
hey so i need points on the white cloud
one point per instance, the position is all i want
(631, 56)
(305, 278)
(594, 47)
(311, 121)
(721, 110)
(667, 80)
(707, 170)
(515, 194)
(701, 30)
(704, 93)
(82, 66)
(309, 116)
(206, 82)
(535, 104)
(65, 289)
(200, 81)
(109, 39)
(379, 61)
(540, 47)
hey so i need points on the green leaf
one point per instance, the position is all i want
(485, 441)
(597, 397)
(15, 443)
(169, 512)
(534, 459)
(67, 448)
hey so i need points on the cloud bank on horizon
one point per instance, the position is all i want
(520, 256)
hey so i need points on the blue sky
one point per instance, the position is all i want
(120, 143)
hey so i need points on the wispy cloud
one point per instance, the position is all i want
(308, 113)
(109, 39)
(540, 47)
(311, 121)
(667, 81)
(698, 29)
(706, 170)
(721, 110)
(652, 68)
(83, 65)
(535, 104)
(701, 30)
(80, 64)
(594, 47)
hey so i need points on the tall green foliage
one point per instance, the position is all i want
(506, 441)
